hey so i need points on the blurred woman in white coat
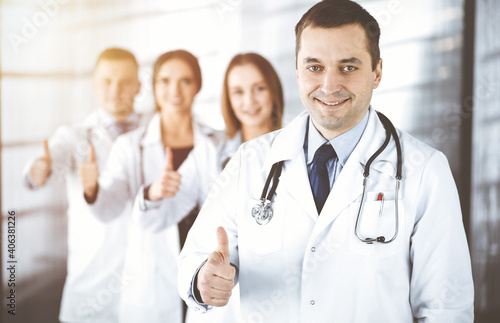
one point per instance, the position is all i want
(152, 160)
(252, 105)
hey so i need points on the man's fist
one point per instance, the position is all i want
(216, 276)
(89, 174)
(168, 183)
(41, 168)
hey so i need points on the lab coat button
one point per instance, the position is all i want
(313, 249)
(313, 302)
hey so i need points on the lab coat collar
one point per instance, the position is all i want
(104, 120)
(288, 146)
(343, 144)
(288, 143)
(371, 141)
(230, 146)
(285, 145)
(152, 134)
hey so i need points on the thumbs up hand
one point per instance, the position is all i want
(89, 174)
(41, 168)
(168, 183)
(216, 276)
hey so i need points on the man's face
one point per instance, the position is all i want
(335, 77)
(116, 83)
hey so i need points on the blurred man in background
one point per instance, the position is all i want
(95, 246)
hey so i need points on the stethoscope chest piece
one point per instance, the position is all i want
(262, 212)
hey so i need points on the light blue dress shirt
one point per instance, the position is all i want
(343, 146)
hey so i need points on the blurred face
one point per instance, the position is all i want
(250, 96)
(116, 83)
(175, 87)
(335, 77)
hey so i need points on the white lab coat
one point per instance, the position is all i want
(146, 253)
(302, 267)
(95, 248)
(150, 270)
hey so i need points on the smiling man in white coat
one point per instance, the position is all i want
(333, 250)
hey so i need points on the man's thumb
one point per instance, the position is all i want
(222, 244)
(91, 158)
(46, 150)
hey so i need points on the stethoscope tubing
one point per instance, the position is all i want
(390, 131)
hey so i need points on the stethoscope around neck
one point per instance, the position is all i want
(263, 212)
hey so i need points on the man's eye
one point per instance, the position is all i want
(348, 68)
(314, 68)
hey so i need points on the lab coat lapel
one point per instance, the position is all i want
(153, 153)
(347, 188)
(294, 181)
(349, 185)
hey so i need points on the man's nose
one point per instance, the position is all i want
(331, 83)
(116, 89)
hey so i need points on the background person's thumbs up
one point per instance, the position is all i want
(169, 181)
(46, 151)
(91, 155)
(216, 276)
(41, 168)
(89, 174)
(169, 159)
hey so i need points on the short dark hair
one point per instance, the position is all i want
(113, 54)
(338, 13)
(184, 55)
(272, 80)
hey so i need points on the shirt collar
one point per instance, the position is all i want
(107, 120)
(343, 144)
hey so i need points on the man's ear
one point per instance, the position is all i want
(139, 84)
(377, 74)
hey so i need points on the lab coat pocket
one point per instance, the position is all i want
(264, 239)
(376, 219)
